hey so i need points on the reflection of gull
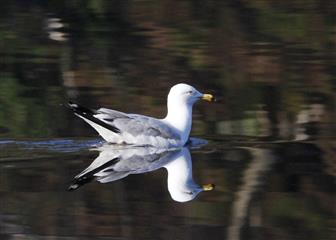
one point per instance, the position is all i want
(172, 131)
(181, 185)
(116, 163)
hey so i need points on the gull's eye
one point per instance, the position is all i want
(189, 193)
(189, 92)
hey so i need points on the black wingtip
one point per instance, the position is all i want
(80, 109)
(73, 187)
(78, 182)
(88, 114)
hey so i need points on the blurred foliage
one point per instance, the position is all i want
(120, 46)
(22, 115)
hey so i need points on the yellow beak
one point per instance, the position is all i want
(208, 187)
(208, 97)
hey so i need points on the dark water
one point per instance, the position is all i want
(272, 139)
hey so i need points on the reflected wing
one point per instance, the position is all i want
(90, 173)
(112, 164)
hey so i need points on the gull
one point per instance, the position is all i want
(139, 130)
(114, 163)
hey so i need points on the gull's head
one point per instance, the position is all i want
(181, 186)
(185, 94)
(188, 192)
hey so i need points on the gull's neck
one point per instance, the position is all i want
(180, 178)
(179, 172)
(179, 116)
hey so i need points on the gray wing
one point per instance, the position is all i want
(135, 124)
(144, 163)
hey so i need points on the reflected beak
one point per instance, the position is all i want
(208, 187)
(208, 97)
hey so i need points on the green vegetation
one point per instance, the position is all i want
(111, 49)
